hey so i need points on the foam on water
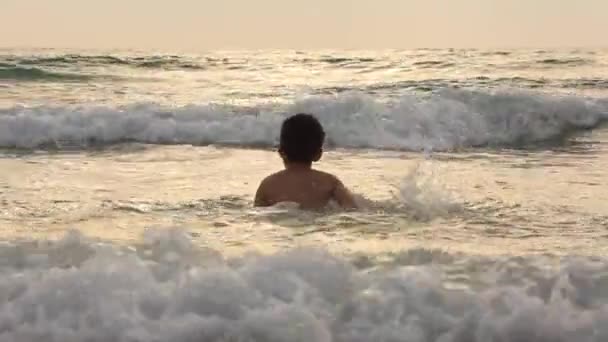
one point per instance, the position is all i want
(446, 120)
(167, 289)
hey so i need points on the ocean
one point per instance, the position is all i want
(128, 176)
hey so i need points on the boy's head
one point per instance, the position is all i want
(302, 139)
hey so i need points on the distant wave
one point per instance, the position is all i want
(433, 64)
(590, 83)
(341, 60)
(470, 83)
(566, 61)
(496, 53)
(71, 59)
(424, 59)
(448, 120)
(159, 61)
(166, 62)
(13, 72)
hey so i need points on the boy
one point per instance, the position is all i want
(301, 144)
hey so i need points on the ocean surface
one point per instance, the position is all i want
(127, 179)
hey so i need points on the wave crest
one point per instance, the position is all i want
(148, 62)
(567, 61)
(13, 72)
(446, 120)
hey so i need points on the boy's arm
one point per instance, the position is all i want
(343, 196)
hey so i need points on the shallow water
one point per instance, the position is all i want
(481, 174)
(508, 202)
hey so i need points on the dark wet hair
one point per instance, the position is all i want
(302, 138)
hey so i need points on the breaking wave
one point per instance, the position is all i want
(446, 120)
(166, 288)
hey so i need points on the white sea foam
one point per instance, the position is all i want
(446, 120)
(167, 289)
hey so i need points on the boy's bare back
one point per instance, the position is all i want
(311, 189)
(301, 144)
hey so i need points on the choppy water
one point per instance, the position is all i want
(125, 196)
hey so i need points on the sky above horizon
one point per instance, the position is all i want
(359, 24)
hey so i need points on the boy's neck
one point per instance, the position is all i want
(297, 166)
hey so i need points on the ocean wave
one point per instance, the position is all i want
(566, 61)
(168, 63)
(158, 61)
(478, 82)
(585, 83)
(496, 53)
(147, 62)
(14, 72)
(445, 120)
(345, 60)
(71, 59)
(433, 64)
(165, 288)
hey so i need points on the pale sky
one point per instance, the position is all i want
(227, 24)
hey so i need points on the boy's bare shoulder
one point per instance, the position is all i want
(326, 176)
(266, 189)
(273, 177)
(283, 176)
